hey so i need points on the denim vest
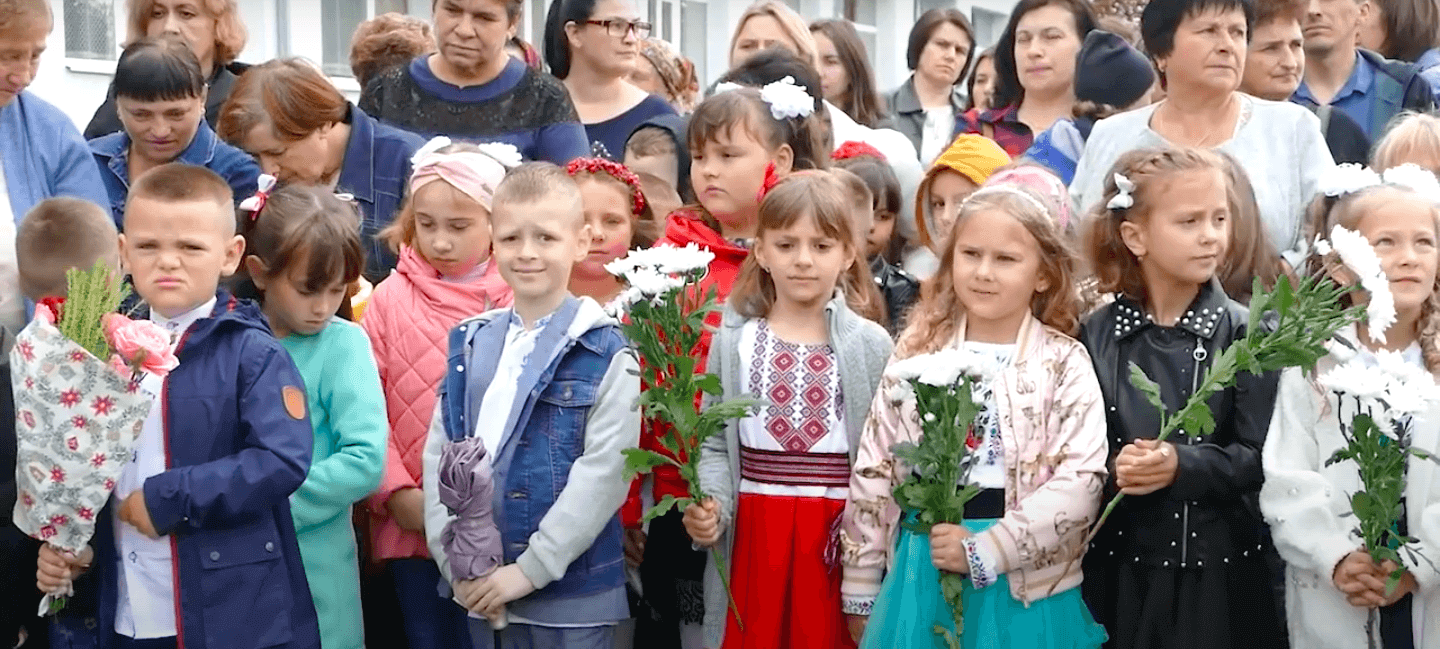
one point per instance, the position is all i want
(546, 433)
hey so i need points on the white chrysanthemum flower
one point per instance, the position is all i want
(930, 417)
(787, 100)
(899, 392)
(1340, 351)
(1357, 255)
(940, 374)
(652, 284)
(1322, 247)
(1419, 179)
(906, 369)
(1347, 178)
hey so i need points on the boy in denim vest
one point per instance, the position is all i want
(549, 387)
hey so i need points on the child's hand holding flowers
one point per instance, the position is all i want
(702, 522)
(947, 548)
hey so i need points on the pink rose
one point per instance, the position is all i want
(45, 314)
(143, 344)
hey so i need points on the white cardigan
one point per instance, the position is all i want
(1303, 501)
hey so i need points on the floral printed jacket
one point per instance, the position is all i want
(1052, 423)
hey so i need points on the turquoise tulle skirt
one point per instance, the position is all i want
(911, 605)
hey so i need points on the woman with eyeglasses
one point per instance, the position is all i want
(471, 89)
(593, 47)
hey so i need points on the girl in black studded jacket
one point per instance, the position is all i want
(1181, 563)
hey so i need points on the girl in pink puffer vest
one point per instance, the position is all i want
(444, 275)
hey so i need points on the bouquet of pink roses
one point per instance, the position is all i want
(76, 371)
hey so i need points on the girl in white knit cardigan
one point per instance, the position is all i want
(1331, 582)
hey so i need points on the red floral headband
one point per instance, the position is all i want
(615, 170)
(855, 149)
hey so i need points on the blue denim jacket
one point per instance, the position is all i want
(533, 463)
(376, 171)
(112, 154)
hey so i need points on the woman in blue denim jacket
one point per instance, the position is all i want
(287, 114)
(160, 98)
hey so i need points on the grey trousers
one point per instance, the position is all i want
(525, 636)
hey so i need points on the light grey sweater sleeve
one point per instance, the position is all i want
(597, 486)
(716, 479)
(437, 516)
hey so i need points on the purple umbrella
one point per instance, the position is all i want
(472, 541)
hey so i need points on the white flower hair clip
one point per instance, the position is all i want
(1125, 195)
(1417, 178)
(787, 100)
(506, 154)
(1348, 178)
(435, 144)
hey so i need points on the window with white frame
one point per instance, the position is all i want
(338, 20)
(93, 29)
(864, 15)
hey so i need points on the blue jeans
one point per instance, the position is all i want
(526, 636)
(430, 621)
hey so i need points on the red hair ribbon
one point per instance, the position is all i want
(855, 149)
(615, 170)
(771, 180)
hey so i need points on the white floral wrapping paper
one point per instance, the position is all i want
(77, 421)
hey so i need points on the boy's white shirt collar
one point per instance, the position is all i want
(182, 322)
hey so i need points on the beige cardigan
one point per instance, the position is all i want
(1052, 426)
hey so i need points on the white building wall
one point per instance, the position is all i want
(701, 28)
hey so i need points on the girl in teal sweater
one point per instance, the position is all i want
(303, 251)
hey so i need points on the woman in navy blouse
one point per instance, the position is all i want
(301, 129)
(593, 46)
(471, 89)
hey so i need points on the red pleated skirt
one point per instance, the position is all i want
(787, 595)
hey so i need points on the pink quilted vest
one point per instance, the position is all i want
(408, 319)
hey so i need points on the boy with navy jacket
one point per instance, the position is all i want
(197, 548)
(550, 388)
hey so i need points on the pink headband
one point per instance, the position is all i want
(1042, 182)
(474, 173)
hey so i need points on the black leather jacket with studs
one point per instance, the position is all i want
(1210, 513)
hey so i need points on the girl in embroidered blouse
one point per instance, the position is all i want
(739, 141)
(445, 274)
(1332, 582)
(1005, 288)
(778, 479)
(1184, 560)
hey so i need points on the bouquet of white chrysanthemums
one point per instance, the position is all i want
(1376, 402)
(946, 386)
(665, 325)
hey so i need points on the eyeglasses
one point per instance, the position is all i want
(619, 28)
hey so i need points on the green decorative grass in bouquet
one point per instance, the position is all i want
(1290, 326)
(77, 372)
(666, 321)
(945, 386)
